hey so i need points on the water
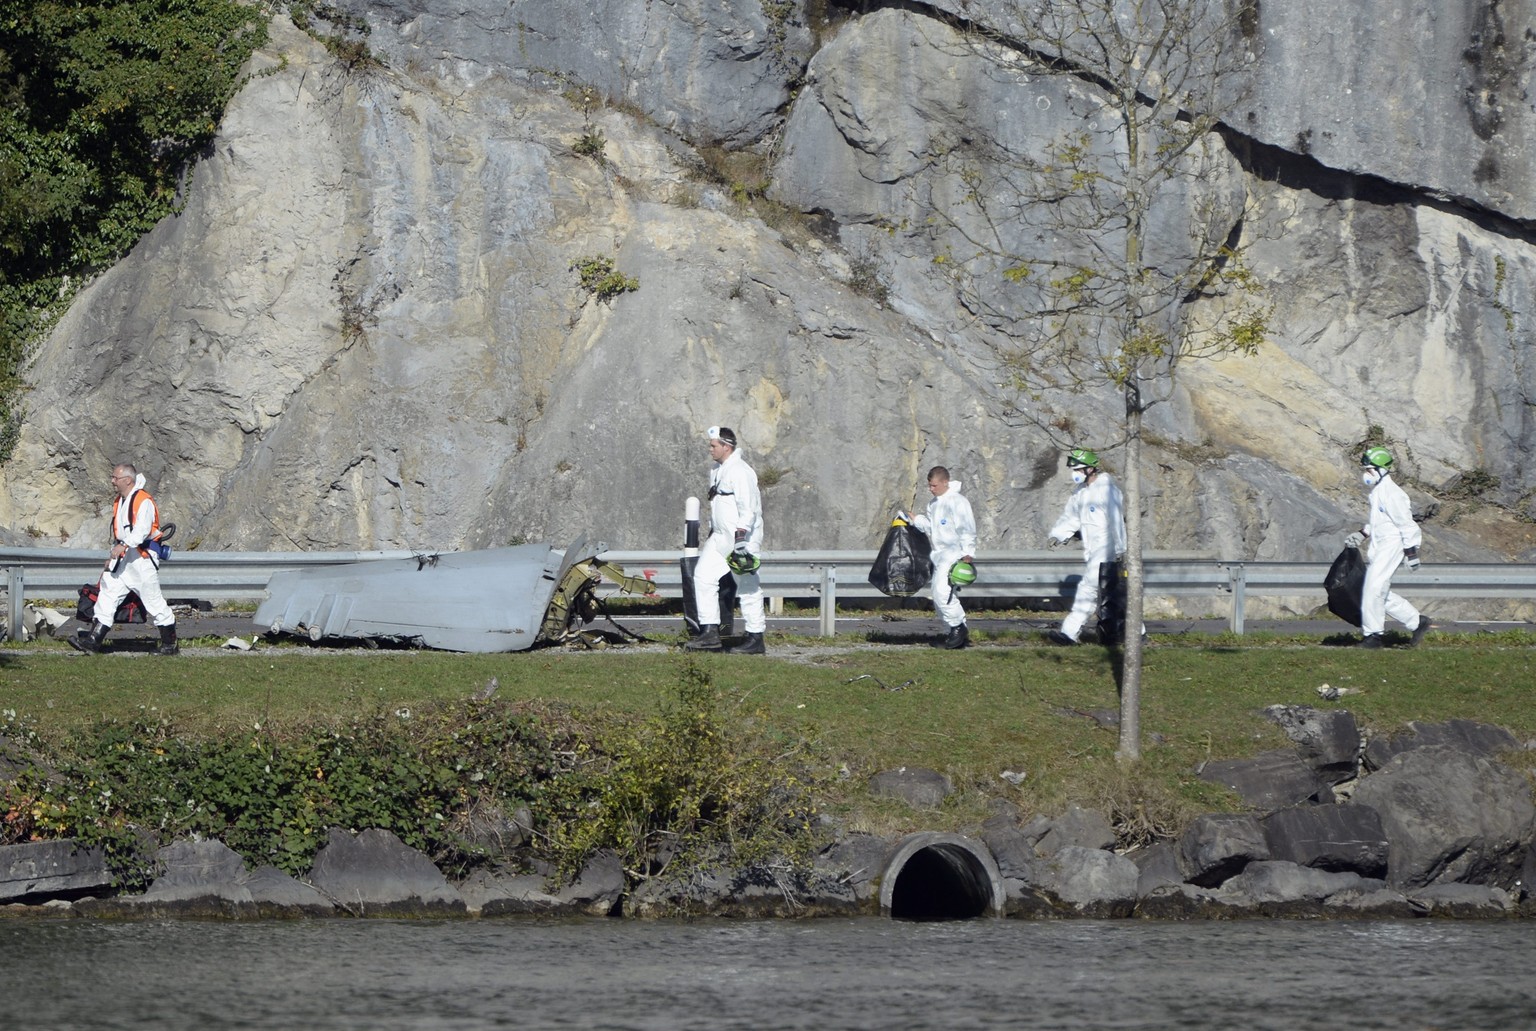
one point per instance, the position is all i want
(825, 974)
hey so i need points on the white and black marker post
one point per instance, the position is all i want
(690, 559)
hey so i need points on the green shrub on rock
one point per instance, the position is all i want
(272, 797)
(682, 788)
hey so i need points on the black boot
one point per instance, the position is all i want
(1371, 641)
(168, 641)
(89, 641)
(958, 637)
(752, 644)
(708, 639)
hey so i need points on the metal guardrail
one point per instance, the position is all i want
(50, 573)
(58, 573)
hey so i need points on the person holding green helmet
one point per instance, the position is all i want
(951, 528)
(1394, 538)
(1096, 513)
(734, 546)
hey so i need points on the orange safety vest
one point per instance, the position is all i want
(133, 511)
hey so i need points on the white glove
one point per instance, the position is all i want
(902, 515)
(1354, 540)
(1411, 557)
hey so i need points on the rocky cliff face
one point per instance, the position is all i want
(366, 328)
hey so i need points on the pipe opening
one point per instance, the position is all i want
(941, 877)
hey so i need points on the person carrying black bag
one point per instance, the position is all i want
(1394, 541)
(903, 565)
(951, 529)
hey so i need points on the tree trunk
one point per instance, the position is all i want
(1130, 672)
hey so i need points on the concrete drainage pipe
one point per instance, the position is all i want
(934, 876)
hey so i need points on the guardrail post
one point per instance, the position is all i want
(15, 580)
(829, 601)
(1239, 575)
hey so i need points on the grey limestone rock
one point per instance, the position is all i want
(598, 888)
(857, 860)
(1157, 866)
(374, 873)
(918, 787)
(1327, 741)
(1092, 882)
(1463, 901)
(1467, 736)
(494, 831)
(1188, 902)
(1084, 828)
(207, 878)
(1419, 93)
(1269, 780)
(364, 329)
(758, 892)
(1371, 900)
(1344, 838)
(63, 869)
(1216, 847)
(1014, 850)
(1416, 93)
(492, 893)
(706, 70)
(1451, 817)
(1279, 888)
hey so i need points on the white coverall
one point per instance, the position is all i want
(734, 504)
(138, 571)
(951, 528)
(1391, 529)
(1097, 511)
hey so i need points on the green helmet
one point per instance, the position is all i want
(1082, 458)
(962, 573)
(1378, 457)
(742, 564)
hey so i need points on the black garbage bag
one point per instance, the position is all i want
(1345, 583)
(1114, 582)
(905, 564)
(129, 610)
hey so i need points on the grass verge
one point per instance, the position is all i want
(970, 714)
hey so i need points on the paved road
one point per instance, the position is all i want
(892, 628)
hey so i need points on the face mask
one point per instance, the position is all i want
(1370, 477)
(1079, 477)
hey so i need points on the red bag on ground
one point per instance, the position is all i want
(129, 610)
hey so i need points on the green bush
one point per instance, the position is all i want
(600, 278)
(682, 788)
(591, 144)
(682, 784)
(272, 797)
(102, 105)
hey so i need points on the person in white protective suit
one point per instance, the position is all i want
(951, 528)
(131, 565)
(1096, 512)
(735, 544)
(1394, 538)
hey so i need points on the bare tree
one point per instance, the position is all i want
(1105, 255)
